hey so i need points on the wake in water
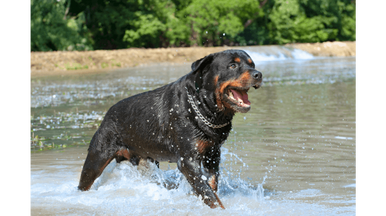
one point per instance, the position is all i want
(123, 189)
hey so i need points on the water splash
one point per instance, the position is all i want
(123, 189)
(126, 175)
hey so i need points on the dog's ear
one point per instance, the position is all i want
(201, 63)
(198, 68)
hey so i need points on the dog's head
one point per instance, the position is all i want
(224, 78)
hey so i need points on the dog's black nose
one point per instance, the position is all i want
(257, 75)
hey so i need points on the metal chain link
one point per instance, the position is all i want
(206, 122)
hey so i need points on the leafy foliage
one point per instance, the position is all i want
(51, 30)
(107, 24)
(311, 21)
(211, 21)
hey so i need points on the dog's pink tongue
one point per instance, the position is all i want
(241, 95)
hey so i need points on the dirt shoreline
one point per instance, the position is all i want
(99, 61)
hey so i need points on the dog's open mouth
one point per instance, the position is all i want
(239, 97)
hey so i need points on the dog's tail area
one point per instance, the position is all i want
(93, 167)
(101, 152)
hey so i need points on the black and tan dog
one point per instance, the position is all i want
(184, 122)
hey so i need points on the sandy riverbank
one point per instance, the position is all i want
(336, 48)
(80, 62)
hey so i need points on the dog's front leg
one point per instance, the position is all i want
(211, 169)
(198, 180)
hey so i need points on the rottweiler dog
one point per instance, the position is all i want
(184, 122)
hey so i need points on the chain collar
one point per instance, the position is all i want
(206, 122)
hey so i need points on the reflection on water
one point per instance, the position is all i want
(297, 142)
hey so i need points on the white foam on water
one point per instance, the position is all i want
(351, 186)
(345, 138)
(295, 54)
(258, 57)
(300, 54)
(123, 189)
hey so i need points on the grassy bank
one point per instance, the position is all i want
(77, 62)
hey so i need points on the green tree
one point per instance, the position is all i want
(311, 21)
(214, 23)
(52, 30)
(126, 23)
(114, 24)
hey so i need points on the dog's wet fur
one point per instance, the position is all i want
(161, 125)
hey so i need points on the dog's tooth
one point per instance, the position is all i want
(231, 95)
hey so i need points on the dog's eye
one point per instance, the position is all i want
(232, 66)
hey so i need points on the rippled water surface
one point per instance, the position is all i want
(292, 154)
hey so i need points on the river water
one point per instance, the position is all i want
(292, 154)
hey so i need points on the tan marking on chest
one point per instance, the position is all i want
(202, 145)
